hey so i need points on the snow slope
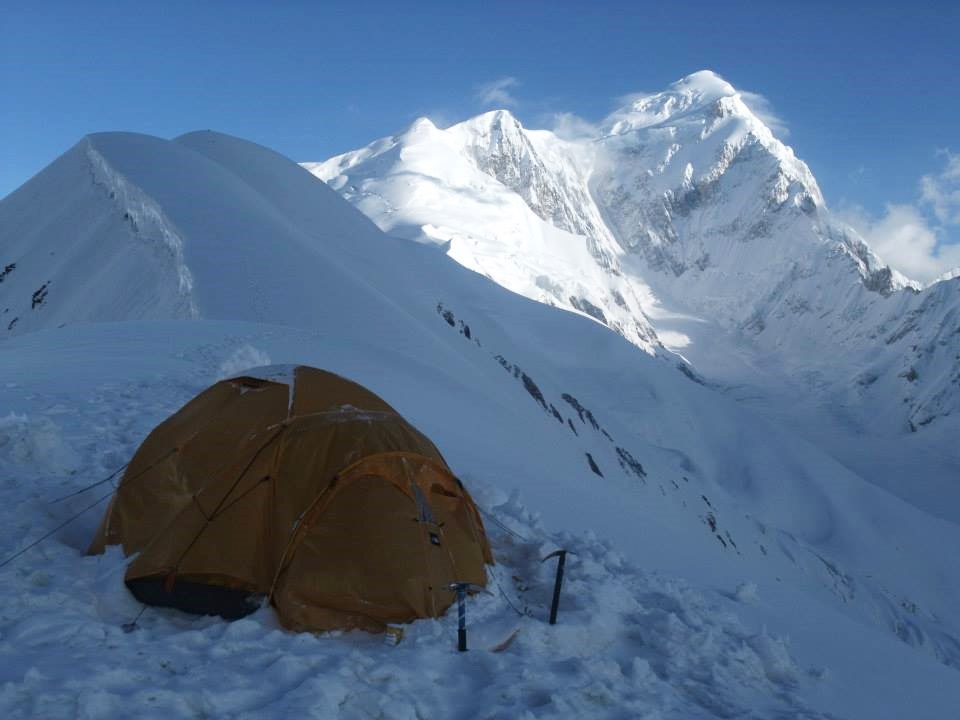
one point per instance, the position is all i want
(726, 566)
(681, 219)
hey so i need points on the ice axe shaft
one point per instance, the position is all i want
(561, 562)
(461, 589)
(461, 618)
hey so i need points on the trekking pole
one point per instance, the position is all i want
(555, 605)
(461, 589)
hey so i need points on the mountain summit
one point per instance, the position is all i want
(679, 221)
(691, 94)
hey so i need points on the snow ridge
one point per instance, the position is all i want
(146, 217)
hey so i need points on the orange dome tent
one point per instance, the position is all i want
(303, 487)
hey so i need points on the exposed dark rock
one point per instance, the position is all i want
(879, 281)
(630, 464)
(584, 305)
(531, 387)
(686, 370)
(593, 465)
(40, 295)
(584, 414)
(730, 539)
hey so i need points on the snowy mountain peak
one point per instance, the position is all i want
(493, 118)
(704, 83)
(494, 139)
(704, 90)
(420, 126)
(682, 203)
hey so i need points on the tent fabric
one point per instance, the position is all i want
(303, 487)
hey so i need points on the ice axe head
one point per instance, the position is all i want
(557, 553)
(555, 604)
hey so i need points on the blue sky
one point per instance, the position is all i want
(868, 93)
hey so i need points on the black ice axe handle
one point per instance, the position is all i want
(555, 605)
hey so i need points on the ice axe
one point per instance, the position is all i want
(461, 589)
(562, 554)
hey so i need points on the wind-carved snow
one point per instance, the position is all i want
(147, 219)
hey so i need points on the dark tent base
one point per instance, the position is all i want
(197, 598)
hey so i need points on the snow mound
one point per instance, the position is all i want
(244, 358)
(36, 443)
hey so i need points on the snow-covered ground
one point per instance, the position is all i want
(725, 566)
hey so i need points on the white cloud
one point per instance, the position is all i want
(915, 238)
(497, 92)
(763, 109)
(905, 240)
(941, 192)
(568, 126)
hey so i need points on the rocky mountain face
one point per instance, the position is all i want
(680, 204)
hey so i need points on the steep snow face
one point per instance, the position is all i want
(728, 223)
(123, 257)
(726, 217)
(700, 229)
(124, 241)
(509, 204)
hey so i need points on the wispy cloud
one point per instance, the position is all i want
(941, 192)
(763, 109)
(497, 93)
(913, 241)
(905, 240)
(568, 126)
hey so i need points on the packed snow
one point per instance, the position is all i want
(724, 567)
